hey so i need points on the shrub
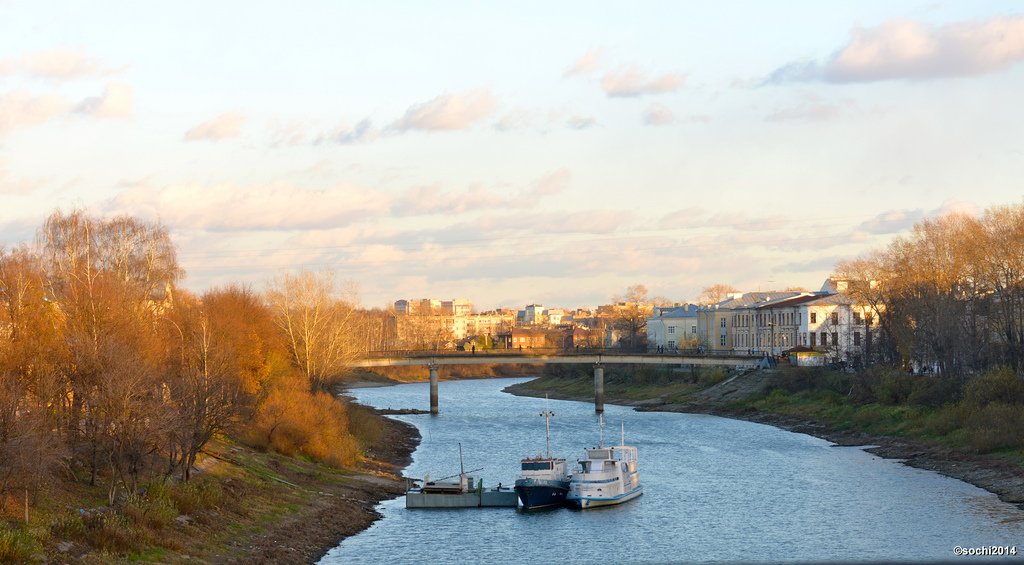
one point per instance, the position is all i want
(110, 530)
(997, 386)
(295, 421)
(713, 376)
(153, 508)
(68, 526)
(997, 425)
(197, 494)
(18, 546)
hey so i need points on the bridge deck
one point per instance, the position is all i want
(540, 359)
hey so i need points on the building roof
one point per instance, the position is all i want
(755, 299)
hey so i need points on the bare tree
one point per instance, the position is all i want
(715, 293)
(317, 323)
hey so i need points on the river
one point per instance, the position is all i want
(715, 490)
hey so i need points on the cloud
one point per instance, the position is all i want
(289, 133)
(57, 64)
(19, 108)
(448, 112)
(810, 109)
(579, 122)
(228, 124)
(585, 65)
(551, 183)
(229, 207)
(891, 221)
(60, 64)
(117, 101)
(631, 81)
(909, 50)
(658, 115)
(347, 134)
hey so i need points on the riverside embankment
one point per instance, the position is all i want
(746, 396)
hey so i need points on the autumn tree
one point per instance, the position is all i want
(631, 310)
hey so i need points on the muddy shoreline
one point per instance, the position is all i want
(998, 476)
(339, 511)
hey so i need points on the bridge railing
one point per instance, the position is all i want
(535, 351)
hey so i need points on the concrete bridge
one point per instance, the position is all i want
(599, 358)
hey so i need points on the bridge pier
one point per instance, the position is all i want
(598, 387)
(433, 388)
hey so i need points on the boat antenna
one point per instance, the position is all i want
(462, 468)
(623, 425)
(547, 424)
(600, 435)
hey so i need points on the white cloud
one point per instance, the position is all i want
(810, 108)
(551, 183)
(579, 122)
(228, 124)
(591, 61)
(448, 112)
(60, 64)
(289, 133)
(117, 101)
(276, 206)
(891, 221)
(346, 134)
(905, 49)
(631, 81)
(658, 115)
(19, 108)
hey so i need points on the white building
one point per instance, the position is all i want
(673, 328)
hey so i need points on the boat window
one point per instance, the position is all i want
(536, 465)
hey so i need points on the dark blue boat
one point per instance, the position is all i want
(543, 482)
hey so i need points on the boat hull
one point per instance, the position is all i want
(536, 493)
(488, 498)
(594, 502)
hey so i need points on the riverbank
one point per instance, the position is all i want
(242, 505)
(735, 398)
(336, 509)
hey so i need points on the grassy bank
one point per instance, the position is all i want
(243, 505)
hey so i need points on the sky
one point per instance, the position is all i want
(512, 153)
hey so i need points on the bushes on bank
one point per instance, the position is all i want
(295, 421)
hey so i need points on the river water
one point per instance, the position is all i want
(715, 490)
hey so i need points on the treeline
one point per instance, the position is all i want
(110, 374)
(950, 296)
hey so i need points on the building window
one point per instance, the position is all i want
(856, 318)
(721, 340)
(671, 329)
(814, 337)
(814, 317)
(824, 339)
(856, 338)
(723, 325)
(835, 338)
(693, 329)
(835, 318)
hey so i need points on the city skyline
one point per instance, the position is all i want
(552, 154)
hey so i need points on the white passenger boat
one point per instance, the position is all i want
(605, 475)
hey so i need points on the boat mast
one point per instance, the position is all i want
(600, 434)
(462, 468)
(623, 425)
(547, 424)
